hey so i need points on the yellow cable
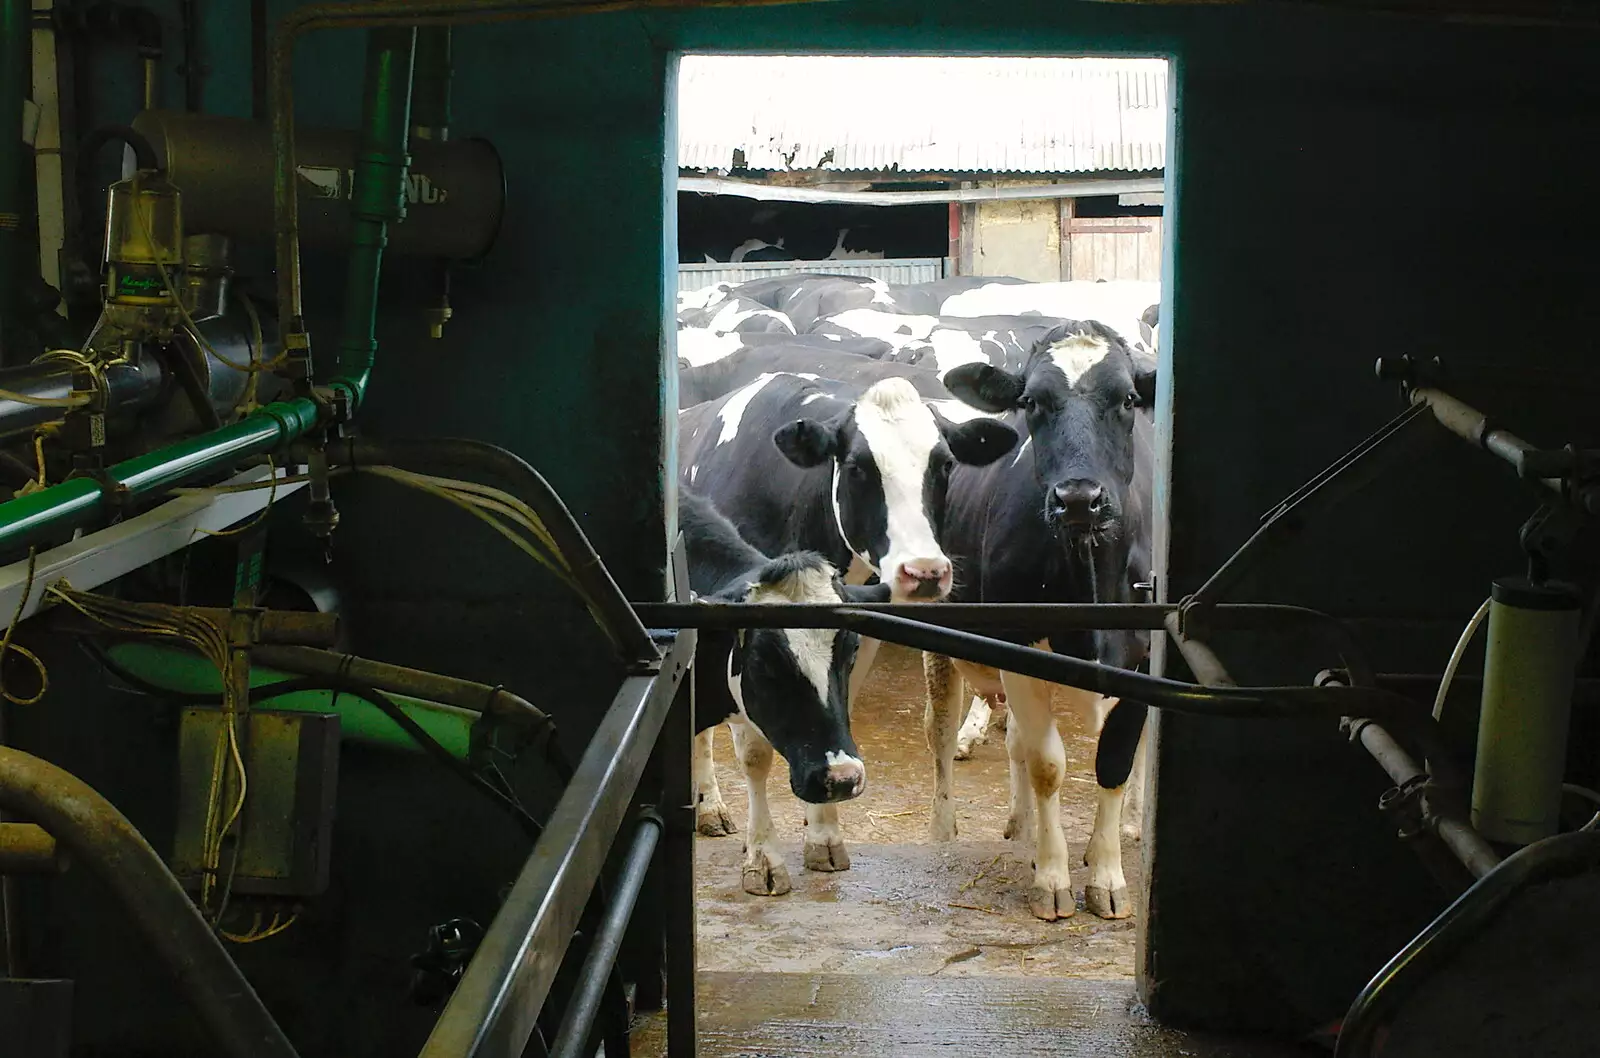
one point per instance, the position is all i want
(45, 402)
(261, 515)
(183, 310)
(38, 455)
(8, 647)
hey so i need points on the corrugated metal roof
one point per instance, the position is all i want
(922, 114)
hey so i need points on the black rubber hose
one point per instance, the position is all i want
(268, 691)
(462, 458)
(144, 154)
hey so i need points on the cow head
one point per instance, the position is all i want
(1079, 393)
(891, 459)
(792, 683)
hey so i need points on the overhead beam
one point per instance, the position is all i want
(1065, 189)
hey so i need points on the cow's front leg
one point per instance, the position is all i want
(825, 849)
(1106, 893)
(1019, 821)
(1133, 804)
(764, 873)
(1045, 759)
(711, 815)
(939, 724)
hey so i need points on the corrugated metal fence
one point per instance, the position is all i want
(897, 270)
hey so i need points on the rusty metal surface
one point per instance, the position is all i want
(101, 839)
(27, 848)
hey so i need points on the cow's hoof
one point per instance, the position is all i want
(1018, 829)
(1051, 904)
(1113, 903)
(766, 879)
(942, 827)
(963, 751)
(827, 858)
(714, 820)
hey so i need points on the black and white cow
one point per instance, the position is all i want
(806, 298)
(736, 315)
(857, 473)
(927, 299)
(782, 689)
(1066, 519)
(696, 385)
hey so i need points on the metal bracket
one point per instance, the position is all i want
(1547, 536)
(1338, 481)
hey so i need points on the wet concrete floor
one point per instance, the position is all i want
(906, 906)
(918, 949)
(851, 1016)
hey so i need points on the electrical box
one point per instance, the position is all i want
(291, 774)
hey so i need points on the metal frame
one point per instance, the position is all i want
(494, 1010)
(96, 558)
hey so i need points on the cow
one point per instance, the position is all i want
(856, 473)
(897, 328)
(928, 298)
(736, 314)
(780, 689)
(1003, 341)
(696, 385)
(1127, 306)
(806, 298)
(1067, 519)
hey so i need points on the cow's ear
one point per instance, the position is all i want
(1144, 381)
(984, 386)
(865, 592)
(806, 443)
(979, 442)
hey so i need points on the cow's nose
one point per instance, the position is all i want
(1079, 502)
(846, 777)
(924, 577)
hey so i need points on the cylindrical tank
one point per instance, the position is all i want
(144, 234)
(1528, 673)
(454, 198)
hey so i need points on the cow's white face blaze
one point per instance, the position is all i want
(891, 461)
(903, 442)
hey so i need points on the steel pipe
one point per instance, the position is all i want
(60, 508)
(286, 203)
(27, 848)
(1016, 617)
(459, 457)
(584, 1005)
(396, 679)
(99, 837)
(1565, 855)
(1474, 427)
(493, 1011)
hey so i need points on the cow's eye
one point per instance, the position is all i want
(1130, 401)
(1027, 403)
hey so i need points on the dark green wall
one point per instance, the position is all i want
(1345, 186)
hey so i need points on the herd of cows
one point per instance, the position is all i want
(971, 440)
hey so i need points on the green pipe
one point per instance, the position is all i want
(359, 721)
(72, 503)
(377, 199)
(15, 39)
